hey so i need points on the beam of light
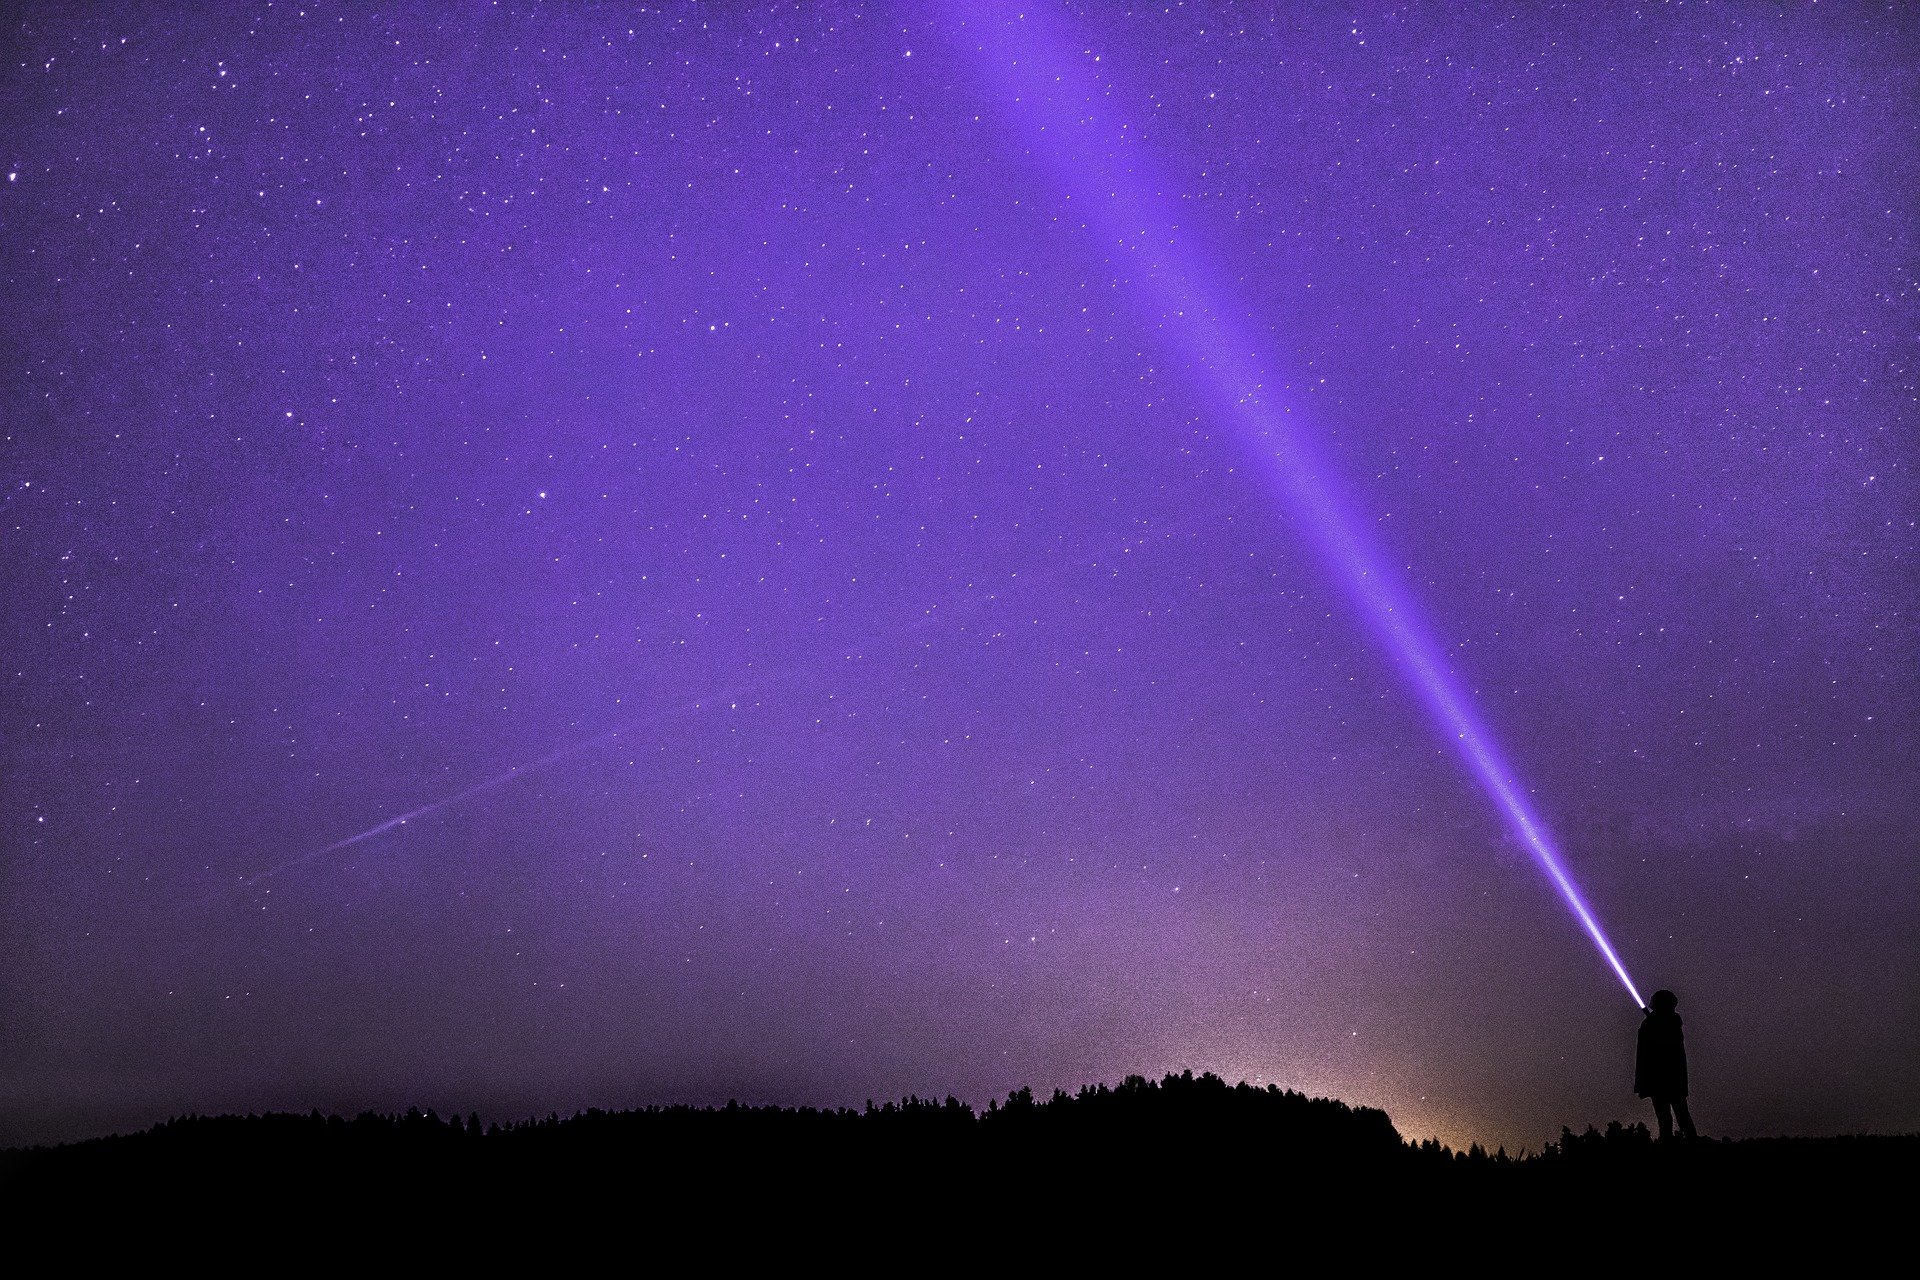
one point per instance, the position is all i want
(1048, 91)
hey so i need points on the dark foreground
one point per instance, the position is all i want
(1187, 1165)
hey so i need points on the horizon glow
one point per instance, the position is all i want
(1046, 88)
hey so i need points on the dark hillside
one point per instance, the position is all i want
(1140, 1157)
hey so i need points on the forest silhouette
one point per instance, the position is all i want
(1181, 1145)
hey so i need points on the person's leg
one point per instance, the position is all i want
(1664, 1113)
(1685, 1117)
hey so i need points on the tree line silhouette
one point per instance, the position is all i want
(1183, 1144)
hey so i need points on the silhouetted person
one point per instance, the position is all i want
(1660, 1066)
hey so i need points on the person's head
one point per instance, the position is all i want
(1665, 1002)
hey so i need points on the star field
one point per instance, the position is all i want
(702, 448)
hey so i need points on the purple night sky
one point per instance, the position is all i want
(773, 482)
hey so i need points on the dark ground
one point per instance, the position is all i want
(1181, 1167)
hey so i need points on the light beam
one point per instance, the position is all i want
(1105, 179)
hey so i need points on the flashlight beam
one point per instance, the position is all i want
(1106, 180)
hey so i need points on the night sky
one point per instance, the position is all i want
(739, 456)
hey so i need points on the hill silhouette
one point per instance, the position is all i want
(1161, 1150)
